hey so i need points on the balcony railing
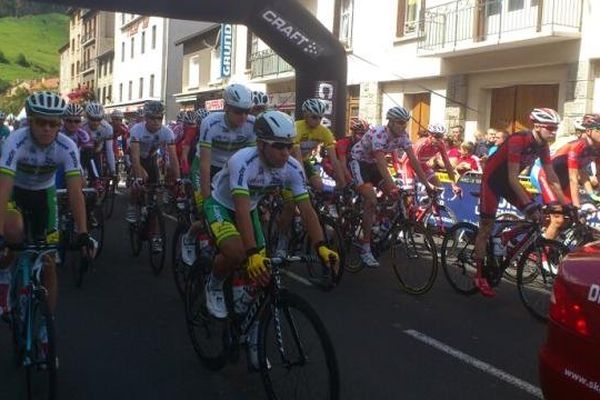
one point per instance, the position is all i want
(454, 25)
(266, 63)
(87, 66)
(88, 36)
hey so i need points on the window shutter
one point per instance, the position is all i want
(400, 20)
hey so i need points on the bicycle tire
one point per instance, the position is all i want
(413, 241)
(432, 227)
(292, 307)
(96, 230)
(40, 375)
(135, 240)
(457, 257)
(351, 230)
(535, 287)
(271, 234)
(109, 200)
(510, 273)
(157, 258)
(206, 333)
(179, 269)
(319, 274)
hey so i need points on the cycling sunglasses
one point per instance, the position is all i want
(239, 111)
(279, 145)
(315, 117)
(95, 119)
(73, 121)
(42, 122)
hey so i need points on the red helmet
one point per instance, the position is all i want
(358, 126)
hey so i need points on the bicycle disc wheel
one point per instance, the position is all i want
(414, 257)
(157, 253)
(536, 272)
(457, 251)
(207, 334)
(40, 375)
(179, 268)
(296, 355)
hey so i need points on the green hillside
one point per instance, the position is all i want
(38, 38)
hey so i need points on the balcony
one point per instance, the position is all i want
(460, 28)
(88, 66)
(87, 38)
(266, 63)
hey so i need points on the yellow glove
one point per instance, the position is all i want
(256, 265)
(327, 255)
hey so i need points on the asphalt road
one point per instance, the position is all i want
(123, 336)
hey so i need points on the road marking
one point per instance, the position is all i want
(298, 278)
(474, 362)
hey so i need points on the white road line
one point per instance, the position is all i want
(474, 362)
(298, 278)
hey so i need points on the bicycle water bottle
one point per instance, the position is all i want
(497, 247)
(243, 294)
(204, 246)
(297, 224)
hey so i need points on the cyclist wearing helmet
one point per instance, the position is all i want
(146, 138)
(120, 133)
(232, 214)
(190, 141)
(260, 101)
(4, 130)
(102, 135)
(221, 135)
(188, 131)
(72, 129)
(369, 168)
(570, 162)
(28, 163)
(426, 149)
(358, 127)
(501, 179)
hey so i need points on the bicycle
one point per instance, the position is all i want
(431, 212)
(286, 347)
(518, 242)
(149, 226)
(32, 325)
(411, 245)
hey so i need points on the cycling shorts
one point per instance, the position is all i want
(491, 191)
(222, 223)
(40, 212)
(363, 173)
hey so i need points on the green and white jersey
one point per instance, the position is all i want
(223, 140)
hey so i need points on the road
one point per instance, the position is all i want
(123, 336)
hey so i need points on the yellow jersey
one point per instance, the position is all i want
(308, 139)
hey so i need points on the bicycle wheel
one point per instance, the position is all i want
(457, 257)
(96, 227)
(157, 241)
(510, 272)
(207, 334)
(414, 257)
(438, 223)
(296, 355)
(179, 268)
(109, 200)
(538, 267)
(40, 373)
(271, 234)
(352, 230)
(135, 240)
(321, 275)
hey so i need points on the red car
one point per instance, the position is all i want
(570, 359)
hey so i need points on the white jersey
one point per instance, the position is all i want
(34, 167)
(223, 140)
(151, 142)
(103, 136)
(245, 174)
(379, 139)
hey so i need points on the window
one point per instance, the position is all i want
(103, 94)
(346, 12)
(104, 65)
(409, 14)
(194, 72)
(154, 36)
(151, 89)
(78, 66)
(120, 92)
(78, 41)
(109, 95)
(130, 91)
(514, 5)
(132, 46)
(141, 91)
(123, 52)
(72, 45)
(493, 7)
(122, 18)
(143, 42)
(72, 70)
(110, 63)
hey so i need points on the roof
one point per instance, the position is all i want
(197, 34)
(63, 47)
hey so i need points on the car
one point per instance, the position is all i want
(569, 360)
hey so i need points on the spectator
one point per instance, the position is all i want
(466, 161)
(482, 144)
(501, 136)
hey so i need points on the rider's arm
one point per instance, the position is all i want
(243, 221)
(310, 221)
(382, 167)
(515, 184)
(555, 183)
(110, 155)
(173, 161)
(448, 165)
(337, 167)
(135, 159)
(205, 156)
(77, 202)
(416, 166)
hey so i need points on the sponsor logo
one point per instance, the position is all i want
(292, 33)
(11, 155)
(226, 46)
(241, 176)
(325, 90)
(594, 294)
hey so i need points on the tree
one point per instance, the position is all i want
(14, 104)
(22, 61)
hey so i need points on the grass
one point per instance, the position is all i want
(38, 38)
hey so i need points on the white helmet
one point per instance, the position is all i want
(314, 106)
(399, 113)
(201, 113)
(237, 95)
(189, 117)
(436, 129)
(544, 116)
(259, 98)
(45, 103)
(117, 114)
(73, 110)
(94, 110)
(276, 126)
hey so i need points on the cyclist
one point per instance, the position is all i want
(120, 132)
(221, 135)
(260, 102)
(426, 149)
(146, 138)
(29, 160)
(570, 162)
(358, 127)
(501, 179)
(369, 168)
(190, 141)
(101, 133)
(72, 129)
(188, 131)
(232, 214)
(310, 134)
